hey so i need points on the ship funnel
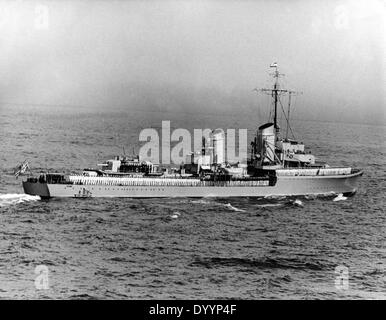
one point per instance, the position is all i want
(218, 138)
(266, 142)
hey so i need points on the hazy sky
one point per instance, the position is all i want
(195, 55)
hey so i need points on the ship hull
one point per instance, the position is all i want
(285, 186)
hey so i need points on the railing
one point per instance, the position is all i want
(148, 182)
(314, 172)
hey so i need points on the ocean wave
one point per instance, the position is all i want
(268, 205)
(201, 201)
(339, 197)
(175, 215)
(228, 205)
(275, 197)
(218, 204)
(262, 263)
(83, 296)
(297, 203)
(15, 198)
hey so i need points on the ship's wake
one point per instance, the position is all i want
(339, 197)
(15, 198)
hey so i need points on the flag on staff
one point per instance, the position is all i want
(21, 168)
(273, 65)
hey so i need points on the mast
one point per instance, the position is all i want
(275, 92)
(275, 89)
(288, 114)
(290, 94)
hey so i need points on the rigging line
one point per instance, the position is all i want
(270, 111)
(282, 108)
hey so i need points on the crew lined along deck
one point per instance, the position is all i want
(313, 172)
(109, 181)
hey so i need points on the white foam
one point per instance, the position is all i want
(340, 197)
(275, 197)
(270, 205)
(15, 198)
(201, 201)
(228, 205)
(298, 202)
(175, 215)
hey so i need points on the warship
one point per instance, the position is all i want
(277, 166)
